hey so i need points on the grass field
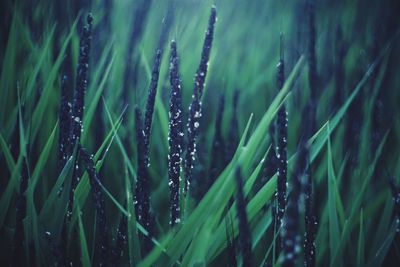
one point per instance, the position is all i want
(199, 133)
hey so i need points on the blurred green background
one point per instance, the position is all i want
(39, 43)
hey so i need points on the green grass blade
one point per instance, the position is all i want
(131, 168)
(345, 235)
(9, 191)
(88, 118)
(38, 66)
(133, 238)
(361, 242)
(7, 154)
(38, 113)
(85, 258)
(40, 165)
(380, 255)
(54, 208)
(334, 232)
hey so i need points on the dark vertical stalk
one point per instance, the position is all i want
(290, 236)
(310, 217)
(396, 199)
(218, 144)
(175, 137)
(64, 120)
(230, 240)
(142, 193)
(282, 144)
(339, 70)
(59, 259)
(233, 137)
(141, 188)
(99, 204)
(19, 237)
(148, 117)
(195, 106)
(79, 103)
(244, 230)
(281, 157)
(81, 84)
(312, 62)
(120, 242)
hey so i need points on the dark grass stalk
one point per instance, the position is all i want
(144, 154)
(120, 242)
(195, 106)
(218, 144)
(175, 138)
(148, 118)
(396, 199)
(309, 214)
(56, 251)
(244, 229)
(99, 204)
(233, 137)
(79, 103)
(291, 239)
(310, 217)
(339, 72)
(142, 190)
(65, 121)
(312, 61)
(81, 84)
(281, 156)
(230, 242)
(281, 144)
(378, 116)
(19, 237)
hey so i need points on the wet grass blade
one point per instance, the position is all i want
(82, 189)
(133, 238)
(85, 258)
(55, 206)
(127, 160)
(334, 232)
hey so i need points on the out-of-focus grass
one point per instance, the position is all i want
(354, 207)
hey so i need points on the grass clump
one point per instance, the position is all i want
(241, 169)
